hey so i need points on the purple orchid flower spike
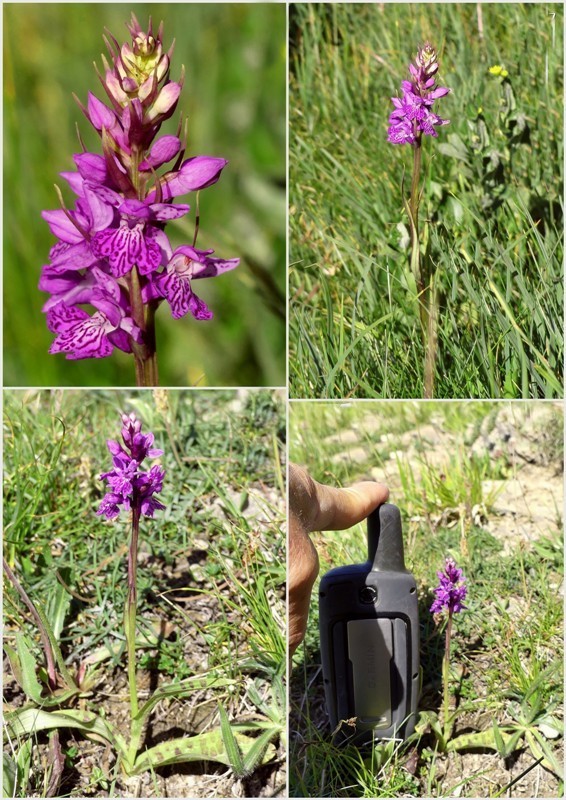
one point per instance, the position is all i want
(413, 115)
(129, 485)
(135, 489)
(451, 591)
(112, 253)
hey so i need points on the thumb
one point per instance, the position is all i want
(342, 508)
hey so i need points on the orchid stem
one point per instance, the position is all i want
(197, 220)
(130, 624)
(423, 277)
(145, 355)
(445, 677)
(151, 363)
(416, 265)
(431, 340)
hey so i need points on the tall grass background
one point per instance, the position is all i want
(492, 202)
(234, 97)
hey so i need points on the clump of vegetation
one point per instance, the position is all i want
(99, 616)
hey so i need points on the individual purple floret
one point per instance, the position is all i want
(129, 485)
(413, 113)
(112, 254)
(451, 591)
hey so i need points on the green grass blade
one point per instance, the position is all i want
(231, 745)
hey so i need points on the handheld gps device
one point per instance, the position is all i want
(369, 638)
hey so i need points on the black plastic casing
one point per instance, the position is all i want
(369, 638)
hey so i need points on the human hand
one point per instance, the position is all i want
(316, 507)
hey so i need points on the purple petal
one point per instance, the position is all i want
(177, 291)
(107, 195)
(213, 267)
(135, 208)
(99, 114)
(149, 505)
(92, 167)
(85, 338)
(164, 149)
(113, 85)
(101, 214)
(147, 87)
(154, 453)
(61, 317)
(199, 309)
(110, 310)
(76, 256)
(61, 226)
(75, 181)
(181, 297)
(195, 174)
(190, 263)
(121, 340)
(439, 92)
(164, 211)
(109, 505)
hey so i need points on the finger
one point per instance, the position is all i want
(342, 508)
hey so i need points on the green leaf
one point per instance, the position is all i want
(430, 719)
(254, 755)
(207, 746)
(454, 148)
(28, 664)
(488, 739)
(543, 367)
(540, 749)
(29, 720)
(66, 675)
(15, 665)
(59, 603)
(9, 772)
(23, 763)
(505, 743)
(182, 689)
(231, 745)
(550, 727)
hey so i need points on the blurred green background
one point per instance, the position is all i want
(234, 97)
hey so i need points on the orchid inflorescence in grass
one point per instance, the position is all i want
(112, 252)
(132, 487)
(412, 118)
(450, 595)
